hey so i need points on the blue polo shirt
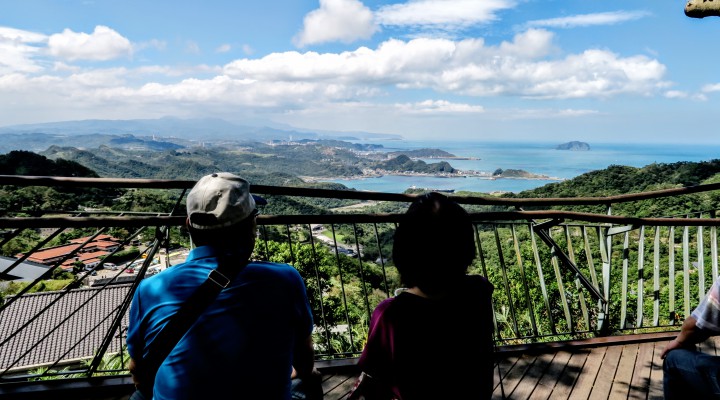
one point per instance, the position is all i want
(242, 345)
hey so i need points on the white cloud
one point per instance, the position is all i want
(606, 18)
(192, 47)
(449, 14)
(531, 44)
(569, 112)
(102, 45)
(336, 20)
(17, 49)
(715, 87)
(294, 83)
(224, 48)
(154, 44)
(98, 78)
(438, 107)
(177, 71)
(425, 119)
(63, 67)
(21, 36)
(349, 20)
(523, 67)
(542, 113)
(676, 94)
(247, 49)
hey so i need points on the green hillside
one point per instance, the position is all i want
(29, 200)
(617, 180)
(286, 164)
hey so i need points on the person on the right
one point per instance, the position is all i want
(433, 340)
(688, 373)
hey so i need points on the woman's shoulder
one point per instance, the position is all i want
(386, 304)
(384, 311)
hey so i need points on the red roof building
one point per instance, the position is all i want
(90, 255)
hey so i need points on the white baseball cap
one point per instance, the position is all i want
(219, 200)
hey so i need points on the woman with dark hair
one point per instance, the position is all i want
(434, 339)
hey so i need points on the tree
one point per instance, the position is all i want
(23, 242)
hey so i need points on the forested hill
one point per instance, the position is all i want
(28, 199)
(404, 163)
(264, 163)
(618, 179)
(423, 153)
(29, 163)
(283, 165)
(269, 170)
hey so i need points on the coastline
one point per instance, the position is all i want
(464, 174)
(549, 165)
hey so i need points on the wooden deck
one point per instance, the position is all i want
(619, 367)
(611, 370)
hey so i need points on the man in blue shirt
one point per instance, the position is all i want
(255, 334)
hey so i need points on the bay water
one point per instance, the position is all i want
(537, 157)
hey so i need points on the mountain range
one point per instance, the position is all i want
(158, 134)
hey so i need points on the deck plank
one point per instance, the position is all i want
(337, 386)
(532, 376)
(655, 391)
(552, 375)
(505, 365)
(640, 382)
(623, 375)
(625, 371)
(603, 383)
(513, 377)
(586, 380)
(569, 375)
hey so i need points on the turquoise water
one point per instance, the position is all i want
(537, 158)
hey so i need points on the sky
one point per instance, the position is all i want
(544, 70)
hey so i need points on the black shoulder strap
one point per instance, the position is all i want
(217, 280)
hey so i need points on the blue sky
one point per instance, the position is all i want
(596, 71)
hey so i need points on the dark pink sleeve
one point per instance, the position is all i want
(378, 352)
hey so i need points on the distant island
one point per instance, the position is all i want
(573, 146)
(518, 174)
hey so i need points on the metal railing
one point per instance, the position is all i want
(558, 274)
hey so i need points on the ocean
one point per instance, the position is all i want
(538, 158)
